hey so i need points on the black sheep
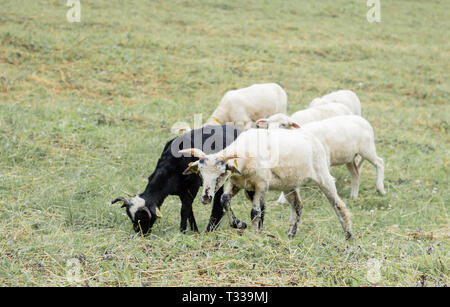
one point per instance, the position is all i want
(168, 179)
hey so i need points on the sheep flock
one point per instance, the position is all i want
(250, 143)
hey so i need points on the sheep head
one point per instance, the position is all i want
(213, 169)
(141, 213)
(277, 121)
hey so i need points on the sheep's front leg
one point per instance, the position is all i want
(187, 199)
(230, 191)
(216, 212)
(258, 206)
(328, 187)
(192, 222)
(294, 200)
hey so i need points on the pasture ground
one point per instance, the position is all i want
(86, 108)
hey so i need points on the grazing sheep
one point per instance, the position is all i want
(344, 137)
(345, 97)
(274, 159)
(303, 117)
(168, 179)
(309, 115)
(244, 106)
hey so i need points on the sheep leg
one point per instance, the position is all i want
(328, 187)
(359, 162)
(216, 212)
(258, 206)
(376, 161)
(353, 169)
(192, 222)
(251, 195)
(293, 197)
(186, 213)
(380, 176)
(230, 191)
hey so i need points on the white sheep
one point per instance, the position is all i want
(345, 97)
(309, 115)
(344, 137)
(244, 106)
(274, 159)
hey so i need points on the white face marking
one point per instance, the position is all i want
(214, 174)
(278, 121)
(137, 204)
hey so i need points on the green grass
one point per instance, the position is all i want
(86, 108)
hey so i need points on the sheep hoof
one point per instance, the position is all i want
(239, 225)
(348, 236)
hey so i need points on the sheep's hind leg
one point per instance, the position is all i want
(293, 197)
(380, 176)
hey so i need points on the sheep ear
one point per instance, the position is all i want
(195, 152)
(294, 124)
(261, 123)
(233, 167)
(192, 169)
(158, 212)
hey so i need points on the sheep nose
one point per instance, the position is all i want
(206, 199)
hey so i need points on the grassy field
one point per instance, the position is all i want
(86, 108)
